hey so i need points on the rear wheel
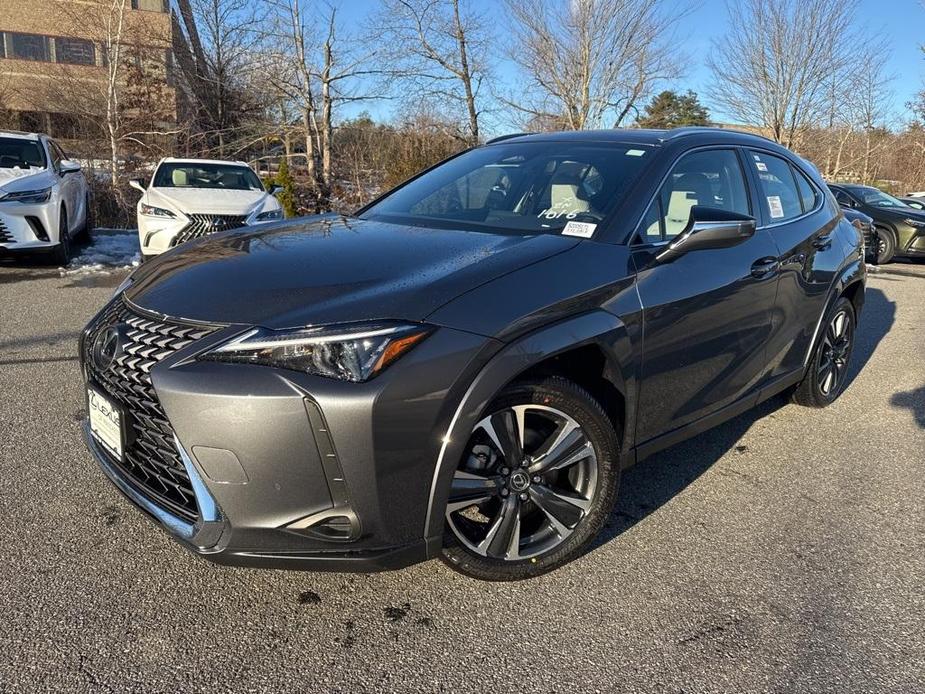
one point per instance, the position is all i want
(827, 374)
(886, 245)
(62, 252)
(536, 485)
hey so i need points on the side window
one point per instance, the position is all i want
(778, 193)
(710, 178)
(809, 196)
(842, 198)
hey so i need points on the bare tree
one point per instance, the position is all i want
(588, 63)
(318, 71)
(779, 74)
(441, 54)
(215, 56)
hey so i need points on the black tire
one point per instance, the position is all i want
(830, 360)
(61, 255)
(594, 432)
(87, 227)
(886, 245)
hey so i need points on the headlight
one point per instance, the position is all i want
(346, 353)
(269, 216)
(918, 224)
(151, 211)
(28, 197)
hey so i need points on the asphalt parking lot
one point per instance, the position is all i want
(784, 552)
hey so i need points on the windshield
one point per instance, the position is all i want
(525, 188)
(222, 176)
(877, 198)
(26, 154)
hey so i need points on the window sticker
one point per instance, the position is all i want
(635, 152)
(584, 230)
(761, 166)
(774, 204)
(757, 158)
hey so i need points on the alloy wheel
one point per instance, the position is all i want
(527, 482)
(836, 348)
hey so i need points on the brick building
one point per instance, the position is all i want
(55, 63)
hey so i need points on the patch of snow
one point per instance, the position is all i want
(109, 250)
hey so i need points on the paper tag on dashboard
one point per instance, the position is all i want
(583, 229)
(775, 206)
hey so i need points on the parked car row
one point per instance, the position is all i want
(45, 201)
(899, 228)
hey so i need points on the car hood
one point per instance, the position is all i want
(207, 200)
(329, 269)
(15, 180)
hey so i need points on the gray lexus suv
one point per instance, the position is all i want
(463, 368)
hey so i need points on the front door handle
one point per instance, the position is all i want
(823, 243)
(765, 266)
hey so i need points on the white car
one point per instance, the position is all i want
(189, 198)
(44, 199)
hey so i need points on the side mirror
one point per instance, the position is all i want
(69, 166)
(709, 228)
(138, 184)
(274, 189)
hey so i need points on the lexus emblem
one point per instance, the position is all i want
(106, 348)
(218, 223)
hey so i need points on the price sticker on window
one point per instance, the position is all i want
(584, 230)
(775, 206)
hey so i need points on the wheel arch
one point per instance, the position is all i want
(592, 349)
(851, 282)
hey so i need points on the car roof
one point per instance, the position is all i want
(194, 160)
(19, 135)
(639, 136)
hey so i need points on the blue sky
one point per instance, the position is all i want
(903, 21)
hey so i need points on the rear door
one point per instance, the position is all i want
(803, 223)
(707, 314)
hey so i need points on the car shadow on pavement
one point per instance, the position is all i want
(645, 487)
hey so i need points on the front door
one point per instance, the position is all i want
(707, 314)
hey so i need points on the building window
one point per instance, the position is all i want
(151, 5)
(74, 51)
(29, 47)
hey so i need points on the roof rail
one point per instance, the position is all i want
(501, 138)
(694, 129)
(10, 131)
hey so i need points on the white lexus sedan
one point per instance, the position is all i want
(189, 198)
(44, 199)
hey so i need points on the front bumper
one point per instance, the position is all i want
(296, 471)
(28, 227)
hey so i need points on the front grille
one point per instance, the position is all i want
(150, 459)
(5, 235)
(204, 224)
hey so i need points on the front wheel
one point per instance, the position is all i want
(826, 377)
(536, 485)
(886, 245)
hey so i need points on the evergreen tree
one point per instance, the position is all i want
(286, 196)
(672, 110)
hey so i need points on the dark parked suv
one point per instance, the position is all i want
(900, 229)
(463, 368)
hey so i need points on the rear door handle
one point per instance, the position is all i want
(823, 242)
(765, 266)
